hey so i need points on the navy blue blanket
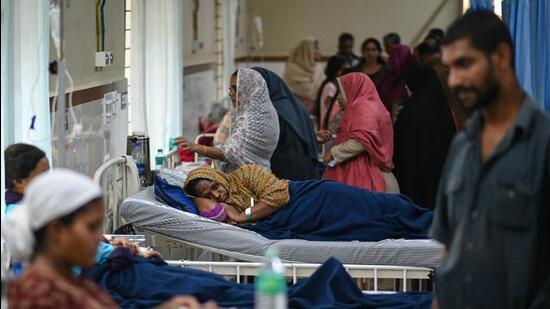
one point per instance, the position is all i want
(330, 211)
(138, 283)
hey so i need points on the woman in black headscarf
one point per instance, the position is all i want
(423, 133)
(295, 157)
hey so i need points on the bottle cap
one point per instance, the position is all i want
(159, 150)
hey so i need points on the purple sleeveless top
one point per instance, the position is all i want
(216, 214)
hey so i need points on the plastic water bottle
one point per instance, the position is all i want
(270, 286)
(171, 144)
(139, 157)
(159, 160)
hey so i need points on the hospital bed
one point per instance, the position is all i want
(244, 250)
(145, 212)
(232, 251)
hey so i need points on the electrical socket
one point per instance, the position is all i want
(196, 46)
(103, 59)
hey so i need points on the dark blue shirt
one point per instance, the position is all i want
(493, 216)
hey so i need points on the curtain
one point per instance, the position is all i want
(476, 5)
(529, 23)
(25, 90)
(157, 71)
(229, 38)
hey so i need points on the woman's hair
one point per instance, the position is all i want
(392, 38)
(40, 234)
(191, 188)
(20, 160)
(334, 64)
(437, 34)
(376, 43)
(428, 48)
(329, 110)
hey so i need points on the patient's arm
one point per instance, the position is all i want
(259, 211)
(204, 204)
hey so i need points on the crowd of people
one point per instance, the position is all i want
(386, 119)
(446, 125)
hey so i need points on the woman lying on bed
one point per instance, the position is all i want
(312, 209)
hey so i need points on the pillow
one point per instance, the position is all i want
(174, 178)
(173, 196)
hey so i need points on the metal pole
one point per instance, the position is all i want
(61, 106)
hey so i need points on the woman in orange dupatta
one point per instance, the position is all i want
(364, 143)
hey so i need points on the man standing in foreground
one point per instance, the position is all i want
(493, 205)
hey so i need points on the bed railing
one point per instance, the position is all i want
(117, 181)
(296, 271)
(173, 158)
(197, 156)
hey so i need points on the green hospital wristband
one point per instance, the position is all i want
(248, 214)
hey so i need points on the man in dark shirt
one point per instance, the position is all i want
(345, 48)
(493, 205)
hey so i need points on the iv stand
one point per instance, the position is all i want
(61, 96)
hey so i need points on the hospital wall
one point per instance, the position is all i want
(102, 140)
(104, 132)
(79, 33)
(286, 22)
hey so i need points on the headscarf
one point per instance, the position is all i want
(367, 121)
(423, 133)
(254, 129)
(393, 86)
(300, 73)
(249, 181)
(49, 196)
(291, 110)
(238, 194)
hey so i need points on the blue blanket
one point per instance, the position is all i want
(330, 211)
(139, 283)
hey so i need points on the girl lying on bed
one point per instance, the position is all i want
(312, 209)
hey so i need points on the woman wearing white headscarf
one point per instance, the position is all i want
(302, 75)
(252, 133)
(58, 226)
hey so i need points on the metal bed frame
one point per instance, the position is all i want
(295, 271)
(113, 178)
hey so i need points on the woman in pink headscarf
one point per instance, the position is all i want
(364, 143)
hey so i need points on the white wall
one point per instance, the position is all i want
(199, 95)
(286, 22)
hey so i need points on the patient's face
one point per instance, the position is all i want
(211, 190)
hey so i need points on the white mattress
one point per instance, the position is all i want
(145, 212)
